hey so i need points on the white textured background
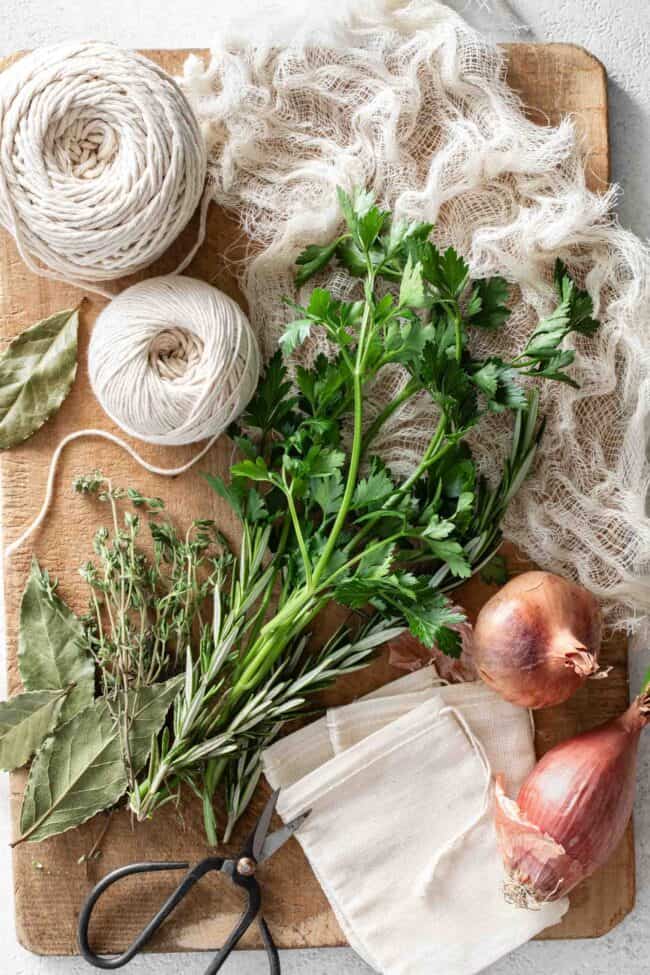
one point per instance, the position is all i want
(616, 31)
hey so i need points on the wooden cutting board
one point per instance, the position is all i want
(50, 885)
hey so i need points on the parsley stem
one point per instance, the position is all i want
(430, 454)
(274, 638)
(351, 483)
(357, 439)
(433, 452)
(288, 492)
(458, 329)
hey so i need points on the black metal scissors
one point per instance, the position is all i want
(258, 847)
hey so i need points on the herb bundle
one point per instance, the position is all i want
(224, 637)
(336, 523)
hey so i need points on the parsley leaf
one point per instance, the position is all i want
(498, 381)
(495, 572)
(429, 621)
(412, 290)
(272, 405)
(326, 492)
(371, 491)
(544, 355)
(295, 334)
(255, 470)
(313, 259)
(488, 308)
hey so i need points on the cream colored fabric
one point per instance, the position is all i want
(505, 731)
(295, 755)
(397, 834)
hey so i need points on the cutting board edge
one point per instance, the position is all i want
(589, 62)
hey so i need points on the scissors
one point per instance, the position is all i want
(258, 847)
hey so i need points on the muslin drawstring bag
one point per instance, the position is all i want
(399, 838)
(505, 731)
(293, 756)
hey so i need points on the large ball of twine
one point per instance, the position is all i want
(102, 161)
(172, 360)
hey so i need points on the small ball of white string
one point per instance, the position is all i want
(172, 360)
(102, 161)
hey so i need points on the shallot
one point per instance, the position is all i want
(572, 810)
(537, 640)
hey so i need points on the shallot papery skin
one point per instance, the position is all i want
(537, 639)
(408, 653)
(571, 811)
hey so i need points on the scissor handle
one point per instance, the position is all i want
(117, 961)
(251, 912)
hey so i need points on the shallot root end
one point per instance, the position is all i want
(582, 661)
(643, 701)
(521, 894)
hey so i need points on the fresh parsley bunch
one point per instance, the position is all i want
(342, 526)
(324, 518)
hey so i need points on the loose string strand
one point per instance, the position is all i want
(112, 438)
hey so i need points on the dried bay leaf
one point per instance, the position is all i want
(80, 770)
(51, 654)
(25, 722)
(148, 707)
(37, 370)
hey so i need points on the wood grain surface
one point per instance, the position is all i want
(50, 884)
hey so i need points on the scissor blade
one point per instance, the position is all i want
(277, 839)
(262, 826)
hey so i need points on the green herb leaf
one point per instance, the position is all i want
(255, 470)
(25, 721)
(326, 492)
(371, 491)
(488, 308)
(449, 272)
(321, 462)
(232, 493)
(37, 370)
(411, 290)
(495, 572)
(295, 334)
(272, 404)
(255, 507)
(452, 552)
(543, 354)
(429, 621)
(498, 381)
(313, 259)
(147, 710)
(51, 653)
(449, 642)
(81, 770)
(438, 528)
(78, 772)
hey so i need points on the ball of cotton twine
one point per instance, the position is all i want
(102, 161)
(172, 360)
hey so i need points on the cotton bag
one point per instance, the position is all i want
(400, 833)
(293, 756)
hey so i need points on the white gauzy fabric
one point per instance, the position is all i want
(404, 97)
(293, 756)
(381, 812)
